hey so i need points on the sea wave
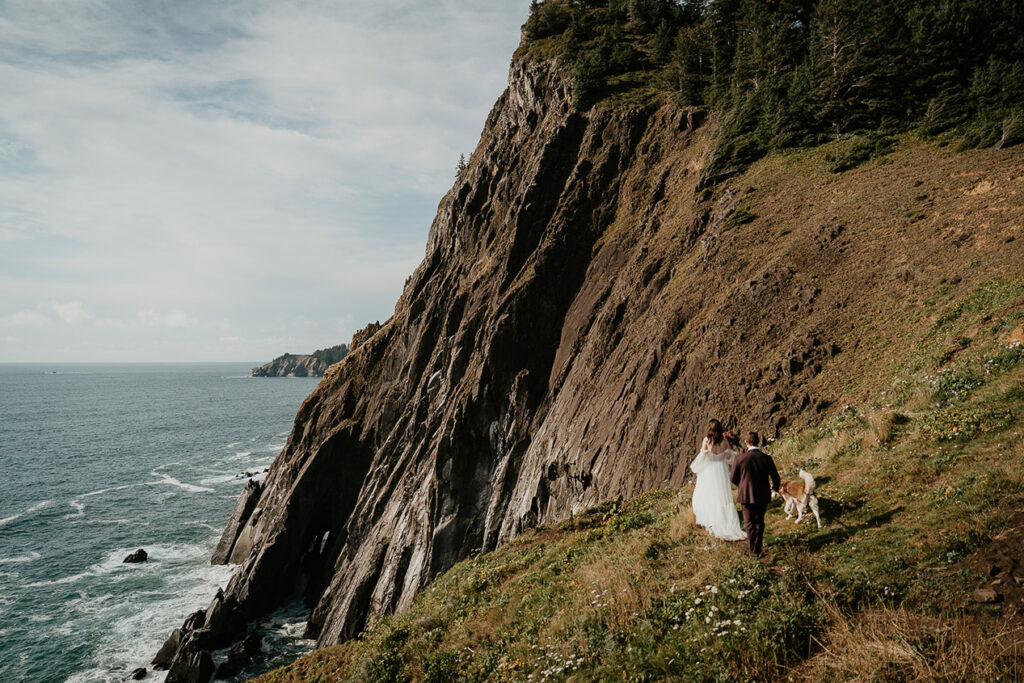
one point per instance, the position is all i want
(35, 508)
(21, 559)
(171, 481)
(109, 490)
(139, 622)
(79, 510)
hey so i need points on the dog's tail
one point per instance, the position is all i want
(808, 481)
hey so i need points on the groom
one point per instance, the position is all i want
(755, 475)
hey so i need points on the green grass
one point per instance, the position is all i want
(910, 483)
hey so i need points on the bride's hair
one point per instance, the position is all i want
(715, 432)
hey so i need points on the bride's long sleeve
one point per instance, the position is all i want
(730, 457)
(700, 462)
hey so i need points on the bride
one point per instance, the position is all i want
(713, 504)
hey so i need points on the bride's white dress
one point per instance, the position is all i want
(713, 504)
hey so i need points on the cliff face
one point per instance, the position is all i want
(585, 303)
(292, 365)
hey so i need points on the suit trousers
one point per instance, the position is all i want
(753, 517)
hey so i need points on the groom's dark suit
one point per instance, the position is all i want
(755, 476)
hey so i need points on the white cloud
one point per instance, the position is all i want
(28, 319)
(273, 165)
(71, 313)
(8, 340)
(171, 321)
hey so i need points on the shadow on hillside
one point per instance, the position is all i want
(840, 532)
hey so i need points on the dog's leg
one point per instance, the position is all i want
(789, 508)
(800, 510)
(814, 509)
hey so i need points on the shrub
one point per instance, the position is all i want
(737, 218)
(588, 78)
(630, 521)
(953, 385)
(965, 422)
(1006, 358)
(865, 149)
(441, 667)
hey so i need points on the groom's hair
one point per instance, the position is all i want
(753, 439)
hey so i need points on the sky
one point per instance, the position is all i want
(197, 180)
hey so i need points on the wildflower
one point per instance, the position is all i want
(714, 589)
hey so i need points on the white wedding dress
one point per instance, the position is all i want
(713, 504)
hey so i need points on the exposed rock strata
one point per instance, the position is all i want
(244, 507)
(578, 314)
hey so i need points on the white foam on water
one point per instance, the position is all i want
(171, 481)
(35, 508)
(79, 510)
(234, 444)
(117, 521)
(241, 454)
(137, 624)
(20, 559)
(113, 488)
(113, 563)
(222, 479)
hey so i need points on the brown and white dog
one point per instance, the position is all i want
(800, 494)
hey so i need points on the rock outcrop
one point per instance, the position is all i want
(579, 313)
(136, 557)
(292, 365)
(244, 507)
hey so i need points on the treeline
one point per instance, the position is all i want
(332, 355)
(786, 73)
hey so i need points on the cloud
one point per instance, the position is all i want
(172, 321)
(250, 161)
(71, 313)
(28, 319)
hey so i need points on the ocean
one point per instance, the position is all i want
(99, 460)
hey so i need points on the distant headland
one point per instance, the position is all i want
(300, 365)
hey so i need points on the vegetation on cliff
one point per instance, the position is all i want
(799, 72)
(911, 485)
(331, 355)
(919, 456)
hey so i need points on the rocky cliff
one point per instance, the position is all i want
(292, 365)
(585, 302)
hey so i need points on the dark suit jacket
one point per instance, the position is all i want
(755, 475)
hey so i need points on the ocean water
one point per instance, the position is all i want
(99, 460)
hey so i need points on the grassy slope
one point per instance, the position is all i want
(919, 459)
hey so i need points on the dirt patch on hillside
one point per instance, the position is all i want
(1000, 563)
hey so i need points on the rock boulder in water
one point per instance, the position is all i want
(194, 666)
(138, 556)
(137, 674)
